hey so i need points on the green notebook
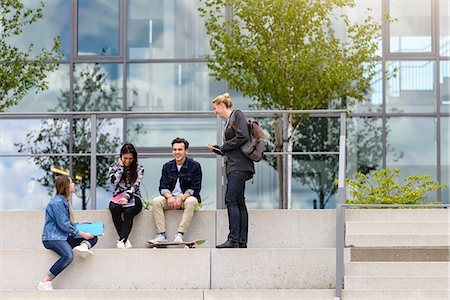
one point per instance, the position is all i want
(96, 228)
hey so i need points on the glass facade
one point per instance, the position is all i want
(145, 59)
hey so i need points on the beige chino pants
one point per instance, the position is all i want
(160, 205)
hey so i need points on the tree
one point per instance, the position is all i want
(286, 55)
(18, 71)
(92, 92)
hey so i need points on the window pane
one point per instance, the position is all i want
(444, 83)
(444, 27)
(413, 89)
(171, 87)
(98, 27)
(374, 98)
(414, 144)
(313, 179)
(412, 30)
(98, 87)
(109, 135)
(263, 190)
(21, 171)
(55, 98)
(165, 29)
(55, 21)
(313, 175)
(364, 145)
(37, 177)
(159, 132)
(445, 152)
(34, 136)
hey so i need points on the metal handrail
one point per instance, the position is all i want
(282, 114)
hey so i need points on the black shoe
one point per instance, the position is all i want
(242, 245)
(228, 244)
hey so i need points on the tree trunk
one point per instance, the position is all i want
(280, 164)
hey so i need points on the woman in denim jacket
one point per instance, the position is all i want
(59, 231)
(125, 176)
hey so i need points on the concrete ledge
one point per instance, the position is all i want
(440, 269)
(104, 294)
(269, 294)
(267, 228)
(395, 294)
(110, 269)
(370, 228)
(394, 282)
(250, 294)
(400, 254)
(431, 214)
(273, 268)
(306, 228)
(397, 240)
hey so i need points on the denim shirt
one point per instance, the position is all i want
(190, 176)
(57, 220)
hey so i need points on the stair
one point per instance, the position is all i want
(273, 267)
(397, 254)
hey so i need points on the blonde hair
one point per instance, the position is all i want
(62, 185)
(225, 99)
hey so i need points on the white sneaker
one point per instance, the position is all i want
(178, 238)
(120, 244)
(45, 286)
(128, 244)
(83, 250)
(160, 238)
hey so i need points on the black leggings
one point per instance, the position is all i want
(123, 226)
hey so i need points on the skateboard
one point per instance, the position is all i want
(186, 245)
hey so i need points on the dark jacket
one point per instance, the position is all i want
(236, 133)
(190, 178)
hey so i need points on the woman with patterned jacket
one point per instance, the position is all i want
(126, 176)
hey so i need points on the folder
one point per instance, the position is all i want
(96, 228)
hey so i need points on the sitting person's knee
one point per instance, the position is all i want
(158, 201)
(190, 201)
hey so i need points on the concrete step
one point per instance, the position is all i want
(379, 228)
(397, 282)
(399, 254)
(251, 294)
(396, 294)
(390, 215)
(439, 269)
(267, 228)
(397, 240)
(125, 269)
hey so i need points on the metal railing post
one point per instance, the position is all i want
(93, 174)
(340, 211)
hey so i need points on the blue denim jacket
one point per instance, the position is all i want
(57, 220)
(190, 176)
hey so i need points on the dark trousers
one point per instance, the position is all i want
(64, 250)
(236, 208)
(124, 225)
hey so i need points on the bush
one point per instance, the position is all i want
(383, 187)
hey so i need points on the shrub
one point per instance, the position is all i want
(384, 187)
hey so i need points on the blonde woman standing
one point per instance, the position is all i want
(239, 168)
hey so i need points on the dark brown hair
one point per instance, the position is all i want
(181, 140)
(132, 169)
